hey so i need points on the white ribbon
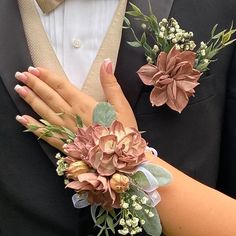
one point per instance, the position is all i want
(151, 188)
(80, 201)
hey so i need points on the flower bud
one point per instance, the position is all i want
(76, 168)
(119, 183)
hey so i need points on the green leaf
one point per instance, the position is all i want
(104, 114)
(101, 231)
(69, 133)
(101, 219)
(213, 30)
(140, 179)
(79, 121)
(162, 175)
(133, 13)
(106, 232)
(101, 211)
(32, 128)
(112, 213)
(135, 8)
(110, 224)
(230, 42)
(126, 20)
(135, 44)
(143, 38)
(45, 122)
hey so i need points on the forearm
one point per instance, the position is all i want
(191, 208)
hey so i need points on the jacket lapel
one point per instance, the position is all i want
(131, 59)
(14, 49)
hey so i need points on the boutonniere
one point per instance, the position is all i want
(106, 166)
(173, 66)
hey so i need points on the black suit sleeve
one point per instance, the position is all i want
(227, 168)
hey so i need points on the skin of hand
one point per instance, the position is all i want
(49, 94)
(189, 208)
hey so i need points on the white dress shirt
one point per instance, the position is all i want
(76, 30)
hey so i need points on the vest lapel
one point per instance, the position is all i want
(109, 49)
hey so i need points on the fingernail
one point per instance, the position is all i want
(20, 76)
(22, 120)
(33, 71)
(21, 90)
(108, 66)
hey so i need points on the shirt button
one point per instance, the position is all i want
(76, 43)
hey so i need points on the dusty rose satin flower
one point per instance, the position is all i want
(98, 189)
(122, 149)
(119, 183)
(173, 78)
(108, 150)
(76, 168)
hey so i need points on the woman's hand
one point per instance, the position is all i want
(49, 94)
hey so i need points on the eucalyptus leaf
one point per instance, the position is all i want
(162, 175)
(140, 179)
(104, 114)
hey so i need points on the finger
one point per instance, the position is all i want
(46, 93)
(28, 120)
(115, 95)
(62, 86)
(38, 105)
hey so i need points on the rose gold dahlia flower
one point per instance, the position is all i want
(98, 189)
(173, 78)
(108, 150)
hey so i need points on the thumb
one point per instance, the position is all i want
(115, 95)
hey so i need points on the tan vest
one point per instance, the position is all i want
(43, 54)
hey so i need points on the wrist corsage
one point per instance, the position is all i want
(106, 165)
(173, 67)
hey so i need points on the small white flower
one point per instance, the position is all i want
(58, 155)
(124, 231)
(144, 200)
(142, 222)
(125, 205)
(144, 26)
(161, 35)
(174, 40)
(164, 20)
(206, 61)
(138, 207)
(172, 29)
(163, 29)
(203, 52)
(150, 214)
(191, 34)
(134, 197)
(128, 222)
(122, 221)
(146, 211)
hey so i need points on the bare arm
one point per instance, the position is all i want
(191, 208)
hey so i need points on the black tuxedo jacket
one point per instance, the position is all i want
(200, 141)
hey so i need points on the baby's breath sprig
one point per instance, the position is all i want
(207, 51)
(162, 36)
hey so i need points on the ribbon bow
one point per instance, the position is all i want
(48, 5)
